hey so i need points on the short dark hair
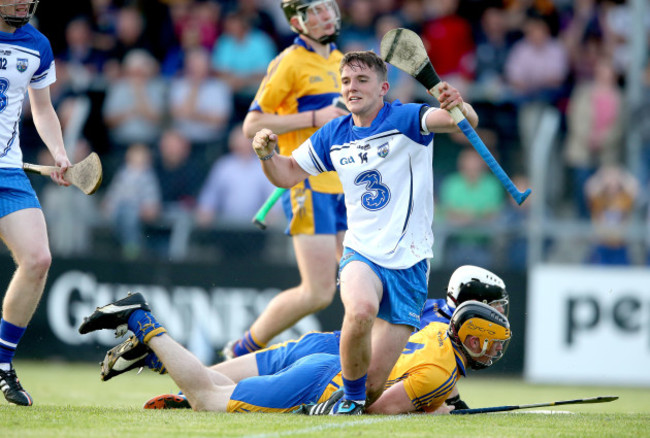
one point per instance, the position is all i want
(366, 58)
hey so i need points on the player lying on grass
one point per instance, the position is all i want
(422, 379)
(466, 283)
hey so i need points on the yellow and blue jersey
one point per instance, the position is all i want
(429, 366)
(300, 80)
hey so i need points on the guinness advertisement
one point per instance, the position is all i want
(202, 306)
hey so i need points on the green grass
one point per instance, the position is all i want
(71, 401)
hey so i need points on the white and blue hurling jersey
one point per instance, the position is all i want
(25, 60)
(387, 175)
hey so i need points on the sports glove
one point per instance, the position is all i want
(456, 402)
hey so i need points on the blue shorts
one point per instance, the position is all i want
(16, 192)
(279, 356)
(311, 379)
(405, 290)
(310, 212)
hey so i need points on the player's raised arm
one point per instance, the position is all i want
(280, 170)
(441, 121)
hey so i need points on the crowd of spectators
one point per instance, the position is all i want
(161, 87)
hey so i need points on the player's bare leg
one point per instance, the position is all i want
(192, 377)
(388, 342)
(25, 234)
(236, 369)
(361, 292)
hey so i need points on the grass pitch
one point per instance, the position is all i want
(71, 401)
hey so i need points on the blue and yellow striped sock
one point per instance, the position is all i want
(246, 345)
(144, 325)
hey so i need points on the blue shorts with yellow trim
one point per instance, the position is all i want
(311, 379)
(279, 356)
(405, 290)
(310, 212)
(16, 192)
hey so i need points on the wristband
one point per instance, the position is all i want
(267, 157)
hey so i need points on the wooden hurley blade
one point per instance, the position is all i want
(404, 49)
(86, 174)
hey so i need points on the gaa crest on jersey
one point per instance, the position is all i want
(22, 64)
(382, 150)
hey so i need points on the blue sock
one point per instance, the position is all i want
(9, 337)
(154, 364)
(144, 325)
(355, 389)
(247, 345)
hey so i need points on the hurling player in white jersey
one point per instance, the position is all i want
(383, 155)
(26, 66)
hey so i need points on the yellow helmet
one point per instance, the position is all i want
(491, 327)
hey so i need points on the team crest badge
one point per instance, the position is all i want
(22, 64)
(382, 150)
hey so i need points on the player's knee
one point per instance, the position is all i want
(319, 297)
(38, 263)
(361, 312)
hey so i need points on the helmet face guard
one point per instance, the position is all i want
(17, 14)
(481, 321)
(324, 13)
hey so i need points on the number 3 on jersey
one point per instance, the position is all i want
(377, 194)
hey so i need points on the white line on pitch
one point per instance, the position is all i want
(323, 427)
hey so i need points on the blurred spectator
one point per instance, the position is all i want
(79, 54)
(537, 65)
(200, 105)
(240, 57)
(595, 131)
(358, 29)
(260, 18)
(412, 14)
(470, 198)
(536, 70)
(201, 17)
(104, 24)
(133, 199)
(236, 186)
(177, 172)
(129, 33)
(70, 213)
(180, 178)
(583, 37)
(450, 44)
(172, 64)
(611, 192)
(493, 45)
(135, 104)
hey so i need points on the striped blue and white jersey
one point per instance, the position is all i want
(26, 60)
(387, 176)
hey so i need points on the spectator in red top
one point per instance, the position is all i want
(449, 42)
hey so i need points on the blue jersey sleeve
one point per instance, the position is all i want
(408, 119)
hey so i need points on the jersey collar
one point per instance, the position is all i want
(300, 42)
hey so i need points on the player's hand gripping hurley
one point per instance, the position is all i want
(86, 174)
(404, 49)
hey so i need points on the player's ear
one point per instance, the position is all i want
(385, 86)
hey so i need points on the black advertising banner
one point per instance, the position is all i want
(202, 306)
